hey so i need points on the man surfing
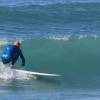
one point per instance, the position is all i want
(11, 54)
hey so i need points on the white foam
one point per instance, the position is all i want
(7, 73)
(95, 36)
(87, 36)
(3, 41)
(68, 37)
(60, 37)
(82, 36)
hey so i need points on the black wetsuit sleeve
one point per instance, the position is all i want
(22, 57)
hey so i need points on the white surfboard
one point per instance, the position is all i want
(35, 73)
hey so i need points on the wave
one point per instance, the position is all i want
(77, 60)
(41, 2)
(55, 11)
(72, 18)
(66, 39)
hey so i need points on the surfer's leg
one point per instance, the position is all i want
(13, 62)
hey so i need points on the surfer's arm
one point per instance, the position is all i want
(22, 57)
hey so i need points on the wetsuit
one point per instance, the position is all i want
(11, 54)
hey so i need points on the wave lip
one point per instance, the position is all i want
(3, 42)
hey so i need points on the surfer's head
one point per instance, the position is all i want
(17, 43)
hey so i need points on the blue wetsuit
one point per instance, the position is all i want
(11, 54)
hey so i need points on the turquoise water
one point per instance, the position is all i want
(77, 60)
(58, 36)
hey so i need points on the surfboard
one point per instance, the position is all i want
(35, 73)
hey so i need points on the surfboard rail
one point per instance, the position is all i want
(35, 73)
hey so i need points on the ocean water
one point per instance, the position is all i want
(57, 36)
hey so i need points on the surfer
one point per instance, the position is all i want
(11, 54)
